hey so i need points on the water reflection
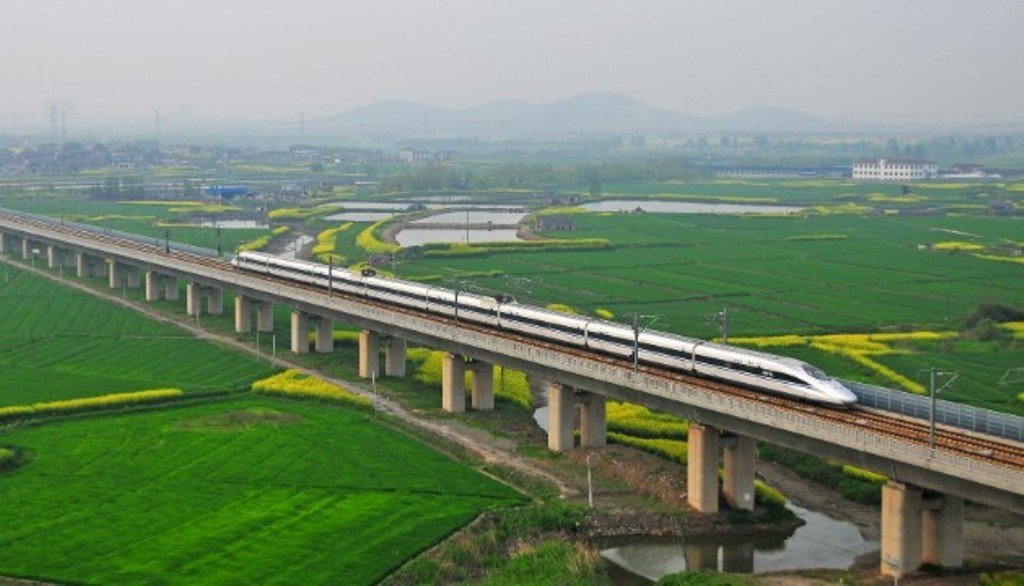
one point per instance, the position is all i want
(822, 542)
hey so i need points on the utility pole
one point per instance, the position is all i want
(723, 324)
(636, 342)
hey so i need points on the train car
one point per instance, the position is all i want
(758, 370)
(544, 323)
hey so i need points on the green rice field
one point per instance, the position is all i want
(58, 343)
(247, 490)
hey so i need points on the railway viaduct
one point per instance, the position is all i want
(922, 504)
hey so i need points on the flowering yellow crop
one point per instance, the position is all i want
(859, 348)
(88, 403)
(770, 341)
(671, 449)
(1013, 259)
(865, 475)
(638, 421)
(958, 246)
(1016, 328)
(367, 240)
(295, 384)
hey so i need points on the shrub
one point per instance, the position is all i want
(996, 312)
(604, 313)
(827, 473)
(768, 497)
(8, 458)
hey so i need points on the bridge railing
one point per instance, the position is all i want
(949, 413)
(150, 240)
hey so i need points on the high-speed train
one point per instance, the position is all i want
(759, 370)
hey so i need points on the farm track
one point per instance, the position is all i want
(957, 442)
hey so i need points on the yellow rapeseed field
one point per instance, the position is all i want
(859, 348)
(88, 404)
(367, 240)
(958, 246)
(294, 384)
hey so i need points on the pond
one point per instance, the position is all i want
(407, 238)
(359, 216)
(474, 217)
(685, 207)
(231, 224)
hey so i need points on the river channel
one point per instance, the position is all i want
(822, 542)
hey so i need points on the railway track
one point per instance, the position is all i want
(916, 431)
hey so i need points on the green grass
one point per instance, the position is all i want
(58, 343)
(244, 491)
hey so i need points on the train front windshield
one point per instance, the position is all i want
(815, 372)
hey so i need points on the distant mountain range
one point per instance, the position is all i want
(594, 113)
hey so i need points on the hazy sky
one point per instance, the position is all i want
(919, 61)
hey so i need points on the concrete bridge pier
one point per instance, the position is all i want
(942, 526)
(193, 298)
(702, 468)
(300, 332)
(134, 277)
(369, 354)
(482, 385)
(26, 249)
(738, 456)
(215, 301)
(593, 420)
(3, 244)
(561, 417)
(453, 383)
(243, 314)
(324, 334)
(171, 288)
(152, 286)
(919, 528)
(54, 256)
(81, 264)
(394, 357)
(265, 316)
(114, 274)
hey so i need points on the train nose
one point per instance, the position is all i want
(842, 395)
